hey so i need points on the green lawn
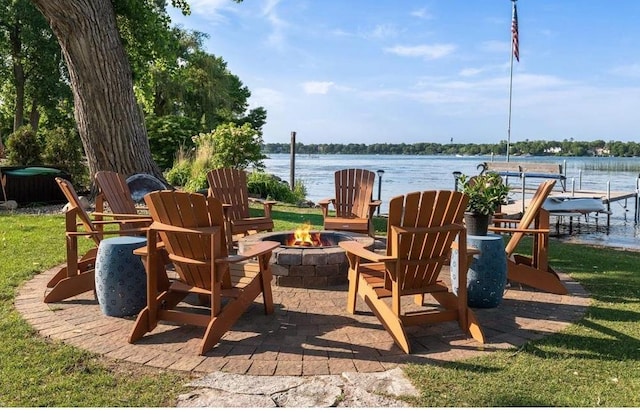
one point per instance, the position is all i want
(592, 363)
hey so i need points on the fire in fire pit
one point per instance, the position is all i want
(303, 237)
(311, 266)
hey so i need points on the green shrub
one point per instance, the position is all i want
(179, 174)
(233, 146)
(226, 146)
(271, 187)
(63, 148)
(190, 169)
(24, 147)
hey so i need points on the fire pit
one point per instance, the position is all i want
(313, 261)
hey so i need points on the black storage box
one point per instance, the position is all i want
(33, 184)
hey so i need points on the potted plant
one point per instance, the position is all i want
(486, 193)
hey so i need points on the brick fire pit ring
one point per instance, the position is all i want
(308, 267)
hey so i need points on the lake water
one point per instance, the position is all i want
(407, 173)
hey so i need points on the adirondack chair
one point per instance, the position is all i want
(191, 226)
(114, 192)
(229, 185)
(533, 271)
(353, 205)
(422, 230)
(78, 274)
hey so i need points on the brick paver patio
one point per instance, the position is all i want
(310, 332)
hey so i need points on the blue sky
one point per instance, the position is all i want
(392, 71)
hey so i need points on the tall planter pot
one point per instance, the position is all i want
(476, 223)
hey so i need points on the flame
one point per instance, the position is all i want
(302, 236)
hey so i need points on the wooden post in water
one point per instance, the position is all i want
(292, 171)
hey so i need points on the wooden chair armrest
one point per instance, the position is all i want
(256, 250)
(372, 207)
(99, 232)
(267, 205)
(326, 201)
(324, 205)
(118, 216)
(139, 219)
(357, 249)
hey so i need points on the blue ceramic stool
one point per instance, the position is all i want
(487, 275)
(121, 280)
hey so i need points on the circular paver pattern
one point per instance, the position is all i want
(310, 332)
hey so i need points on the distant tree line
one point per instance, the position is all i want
(563, 148)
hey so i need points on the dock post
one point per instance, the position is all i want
(580, 179)
(608, 203)
(292, 171)
(573, 187)
(523, 190)
(637, 215)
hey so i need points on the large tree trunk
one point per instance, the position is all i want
(109, 121)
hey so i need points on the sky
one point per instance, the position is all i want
(408, 71)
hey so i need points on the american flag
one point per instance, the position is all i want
(514, 33)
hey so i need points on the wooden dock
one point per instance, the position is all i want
(518, 205)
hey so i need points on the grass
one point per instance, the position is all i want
(593, 363)
(35, 372)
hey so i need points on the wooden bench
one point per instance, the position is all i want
(528, 169)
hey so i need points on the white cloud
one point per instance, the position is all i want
(632, 70)
(425, 51)
(317, 88)
(276, 38)
(422, 14)
(470, 72)
(212, 10)
(384, 31)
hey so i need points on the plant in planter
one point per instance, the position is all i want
(486, 193)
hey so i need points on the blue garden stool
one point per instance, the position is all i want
(121, 279)
(487, 275)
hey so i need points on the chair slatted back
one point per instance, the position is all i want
(530, 214)
(229, 185)
(421, 228)
(354, 189)
(116, 193)
(189, 210)
(76, 212)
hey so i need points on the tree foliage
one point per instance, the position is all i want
(233, 146)
(33, 78)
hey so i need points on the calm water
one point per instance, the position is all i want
(406, 173)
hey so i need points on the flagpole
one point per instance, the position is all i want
(510, 94)
(514, 21)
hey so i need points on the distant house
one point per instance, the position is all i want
(602, 152)
(553, 150)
